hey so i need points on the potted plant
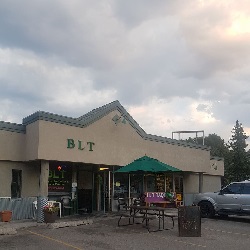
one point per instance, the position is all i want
(50, 213)
(6, 216)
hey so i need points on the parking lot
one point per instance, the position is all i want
(231, 233)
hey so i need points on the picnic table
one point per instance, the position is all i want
(146, 214)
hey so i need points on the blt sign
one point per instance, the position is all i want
(80, 145)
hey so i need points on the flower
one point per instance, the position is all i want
(50, 209)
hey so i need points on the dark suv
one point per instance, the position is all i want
(233, 199)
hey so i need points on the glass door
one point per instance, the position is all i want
(102, 190)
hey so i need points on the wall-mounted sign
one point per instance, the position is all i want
(155, 197)
(71, 143)
(60, 177)
(74, 184)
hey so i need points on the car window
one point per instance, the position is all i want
(246, 188)
(233, 188)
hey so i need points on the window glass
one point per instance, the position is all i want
(246, 188)
(60, 177)
(121, 185)
(16, 184)
(232, 189)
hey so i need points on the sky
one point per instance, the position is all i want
(174, 65)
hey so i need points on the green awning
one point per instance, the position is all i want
(147, 164)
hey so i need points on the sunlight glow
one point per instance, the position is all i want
(240, 25)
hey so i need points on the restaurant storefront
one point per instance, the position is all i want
(53, 156)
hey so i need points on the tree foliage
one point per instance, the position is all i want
(215, 142)
(238, 168)
(236, 158)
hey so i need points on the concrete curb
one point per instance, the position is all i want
(7, 231)
(70, 223)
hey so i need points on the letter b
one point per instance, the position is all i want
(71, 143)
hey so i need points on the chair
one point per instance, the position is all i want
(122, 204)
(66, 204)
(123, 210)
(138, 202)
(34, 204)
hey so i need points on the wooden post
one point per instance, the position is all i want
(173, 180)
(129, 189)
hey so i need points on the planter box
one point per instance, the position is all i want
(6, 216)
(50, 217)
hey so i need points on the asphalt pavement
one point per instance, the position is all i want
(101, 232)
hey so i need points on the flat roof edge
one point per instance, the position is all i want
(12, 127)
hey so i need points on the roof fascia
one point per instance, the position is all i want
(98, 113)
(12, 127)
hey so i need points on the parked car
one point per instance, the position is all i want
(233, 199)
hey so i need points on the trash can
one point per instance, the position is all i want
(189, 221)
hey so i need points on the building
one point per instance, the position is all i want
(51, 155)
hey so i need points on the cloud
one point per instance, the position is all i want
(38, 84)
(173, 65)
(210, 32)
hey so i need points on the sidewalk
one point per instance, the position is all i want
(67, 221)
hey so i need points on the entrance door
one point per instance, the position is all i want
(85, 191)
(102, 190)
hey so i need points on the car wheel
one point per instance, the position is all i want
(207, 209)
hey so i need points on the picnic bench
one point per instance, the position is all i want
(146, 214)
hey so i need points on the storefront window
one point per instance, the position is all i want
(150, 182)
(169, 183)
(121, 185)
(60, 178)
(160, 183)
(178, 184)
(16, 184)
(136, 185)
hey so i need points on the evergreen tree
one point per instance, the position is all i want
(238, 168)
(215, 142)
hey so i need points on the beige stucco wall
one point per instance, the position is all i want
(191, 183)
(32, 141)
(114, 145)
(5, 179)
(216, 167)
(12, 146)
(30, 178)
(211, 183)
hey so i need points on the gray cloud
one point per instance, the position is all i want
(68, 57)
